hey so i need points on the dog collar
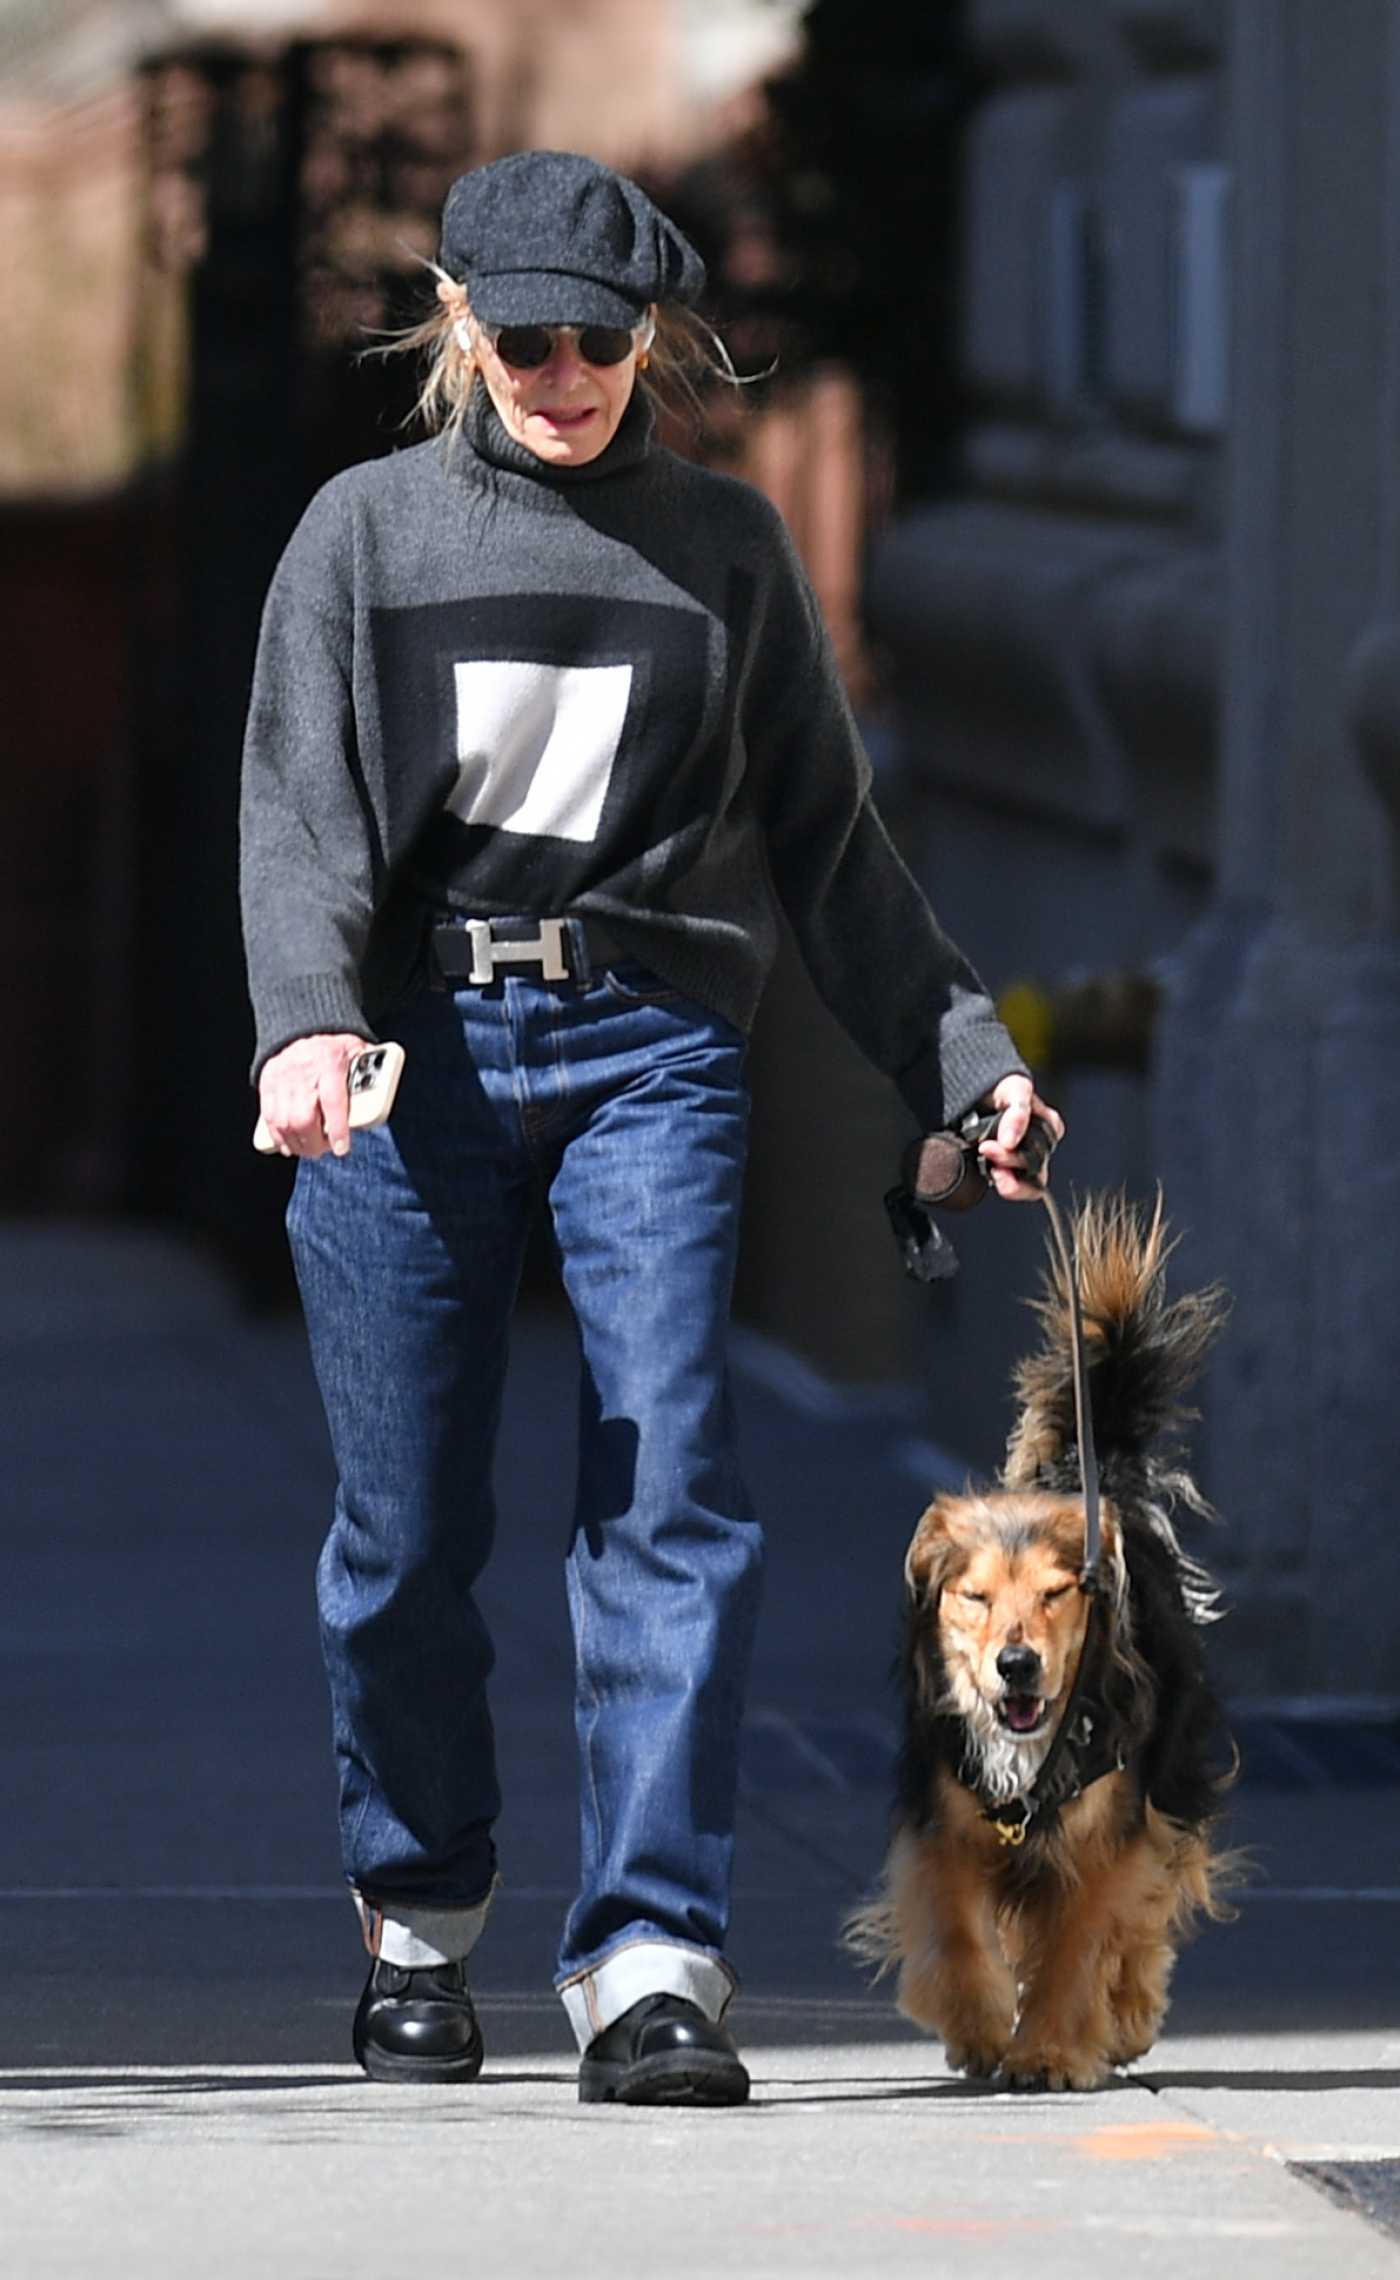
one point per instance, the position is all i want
(1092, 1751)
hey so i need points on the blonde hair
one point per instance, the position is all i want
(685, 357)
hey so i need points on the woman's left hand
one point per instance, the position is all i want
(1020, 1101)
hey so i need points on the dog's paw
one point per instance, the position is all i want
(1043, 2067)
(979, 2060)
(972, 2045)
(1135, 2030)
(973, 2015)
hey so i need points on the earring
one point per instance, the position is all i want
(462, 334)
(643, 360)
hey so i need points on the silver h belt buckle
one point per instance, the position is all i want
(546, 950)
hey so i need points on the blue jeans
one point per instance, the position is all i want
(627, 1104)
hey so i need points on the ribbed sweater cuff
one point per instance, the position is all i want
(944, 1081)
(313, 1005)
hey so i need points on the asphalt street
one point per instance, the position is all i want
(176, 2090)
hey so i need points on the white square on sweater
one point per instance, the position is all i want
(536, 744)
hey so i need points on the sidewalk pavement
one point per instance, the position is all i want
(176, 2095)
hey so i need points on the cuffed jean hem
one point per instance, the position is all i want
(594, 1998)
(416, 1938)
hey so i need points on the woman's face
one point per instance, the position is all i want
(565, 411)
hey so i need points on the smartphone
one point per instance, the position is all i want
(372, 1079)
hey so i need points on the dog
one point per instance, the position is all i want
(1056, 1825)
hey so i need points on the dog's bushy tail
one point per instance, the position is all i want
(1143, 1352)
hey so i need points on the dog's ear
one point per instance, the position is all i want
(930, 1554)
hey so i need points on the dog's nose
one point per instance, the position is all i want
(1020, 1667)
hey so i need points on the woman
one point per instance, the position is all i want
(540, 710)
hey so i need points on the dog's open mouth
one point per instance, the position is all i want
(1023, 1713)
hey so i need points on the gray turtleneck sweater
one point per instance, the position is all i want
(495, 685)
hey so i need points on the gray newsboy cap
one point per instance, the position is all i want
(547, 237)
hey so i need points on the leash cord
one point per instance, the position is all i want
(1010, 1829)
(1083, 1417)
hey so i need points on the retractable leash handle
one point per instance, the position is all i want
(944, 1172)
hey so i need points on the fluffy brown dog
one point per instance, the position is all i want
(1039, 1882)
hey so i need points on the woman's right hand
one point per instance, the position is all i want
(304, 1096)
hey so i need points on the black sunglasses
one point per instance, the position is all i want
(527, 347)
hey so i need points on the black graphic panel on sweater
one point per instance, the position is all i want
(564, 729)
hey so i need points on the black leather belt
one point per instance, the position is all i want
(480, 950)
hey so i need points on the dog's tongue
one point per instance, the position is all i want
(1022, 1712)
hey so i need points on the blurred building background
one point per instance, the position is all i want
(1086, 415)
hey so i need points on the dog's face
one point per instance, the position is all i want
(999, 1578)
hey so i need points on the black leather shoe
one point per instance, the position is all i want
(663, 2052)
(418, 2026)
